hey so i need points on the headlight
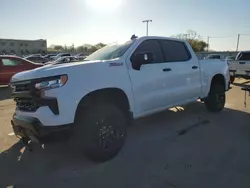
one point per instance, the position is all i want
(53, 83)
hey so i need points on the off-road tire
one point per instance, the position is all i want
(100, 131)
(216, 98)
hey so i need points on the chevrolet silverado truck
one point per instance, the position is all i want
(95, 99)
(240, 67)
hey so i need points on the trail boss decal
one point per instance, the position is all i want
(115, 64)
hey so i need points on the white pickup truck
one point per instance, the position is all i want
(94, 100)
(240, 67)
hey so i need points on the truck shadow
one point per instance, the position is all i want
(59, 164)
(5, 92)
(242, 84)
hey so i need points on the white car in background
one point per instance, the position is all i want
(240, 67)
(61, 60)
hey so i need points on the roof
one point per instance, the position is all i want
(9, 56)
(160, 37)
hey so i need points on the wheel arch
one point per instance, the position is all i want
(218, 78)
(112, 95)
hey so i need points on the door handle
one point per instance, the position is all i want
(242, 62)
(194, 67)
(166, 69)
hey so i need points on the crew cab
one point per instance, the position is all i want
(10, 65)
(95, 99)
(240, 67)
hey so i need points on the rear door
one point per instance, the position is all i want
(10, 66)
(181, 71)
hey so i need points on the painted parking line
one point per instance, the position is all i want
(11, 134)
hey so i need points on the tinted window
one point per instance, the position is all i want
(153, 47)
(63, 55)
(10, 62)
(31, 58)
(245, 56)
(215, 57)
(175, 51)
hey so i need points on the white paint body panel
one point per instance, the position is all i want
(240, 68)
(149, 90)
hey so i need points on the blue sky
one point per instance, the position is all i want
(92, 21)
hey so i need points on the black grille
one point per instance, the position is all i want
(24, 94)
(27, 104)
(22, 86)
(28, 98)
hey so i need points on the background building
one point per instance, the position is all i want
(23, 47)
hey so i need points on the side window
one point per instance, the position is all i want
(32, 58)
(153, 47)
(175, 51)
(65, 55)
(10, 62)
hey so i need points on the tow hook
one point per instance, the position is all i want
(25, 142)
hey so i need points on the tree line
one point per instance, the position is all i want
(191, 36)
(86, 48)
(194, 39)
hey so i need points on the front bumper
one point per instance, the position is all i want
(32, 128)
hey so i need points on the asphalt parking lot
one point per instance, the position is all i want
(183, 148)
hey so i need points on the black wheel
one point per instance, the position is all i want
(232, 78)
(101, 131)
(216, 99)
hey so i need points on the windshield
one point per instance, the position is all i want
(110, 52)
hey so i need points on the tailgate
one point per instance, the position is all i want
(241, 67)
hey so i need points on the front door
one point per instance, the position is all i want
(148, 83)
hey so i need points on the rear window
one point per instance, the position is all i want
(63, 55)
(215, 57)
(175, 51)
(243, 56)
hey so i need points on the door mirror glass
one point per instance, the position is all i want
(141, 59)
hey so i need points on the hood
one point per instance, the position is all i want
(57, 69)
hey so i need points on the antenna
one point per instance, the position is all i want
(133, 37)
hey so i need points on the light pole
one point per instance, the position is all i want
(238, 41)
(146, 21)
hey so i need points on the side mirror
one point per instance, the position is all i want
(140, 59)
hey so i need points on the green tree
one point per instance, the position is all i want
(92, 49)
(194, 40)
(58, 48)
(100, 45)
(82, 49)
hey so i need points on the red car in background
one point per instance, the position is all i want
(10, 65)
